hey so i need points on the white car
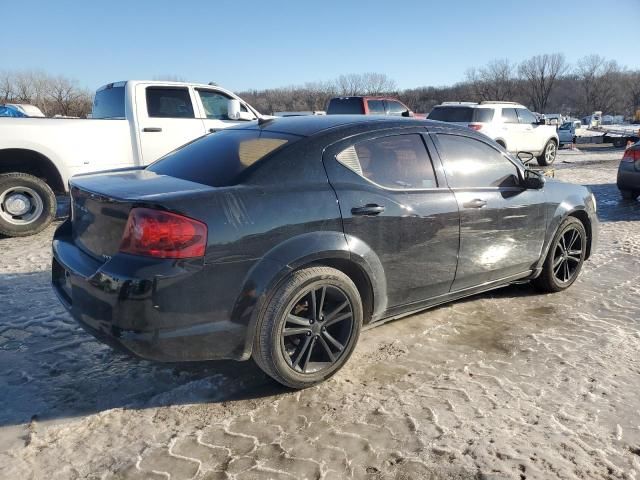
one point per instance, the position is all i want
(132, 124)
(510, 124)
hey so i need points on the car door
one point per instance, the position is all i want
(392, 200)
(530, 134)
(502, 224)
(512, 130)
(166, 119)
(213, 109)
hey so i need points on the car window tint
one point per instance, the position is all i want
(165, 102)
(345, 106)
(526, 116)
(509, 115)
(376, 107)
(395, 108)
(472, 163)
(482, 114)
(109, 103)
(215, 104)
(397, 161)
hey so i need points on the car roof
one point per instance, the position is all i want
(312, 124)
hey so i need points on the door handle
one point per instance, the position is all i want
(151, 129)
(369, 209)
(475, 203)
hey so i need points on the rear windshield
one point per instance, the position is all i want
(221, 159)
(461, 114)
(109, 103)
(345, 106)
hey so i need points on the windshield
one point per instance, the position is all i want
(221, 159)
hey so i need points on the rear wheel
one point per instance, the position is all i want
(27, 205)
(548, 154)
(309, 328)
(628, 194)
(565, 258)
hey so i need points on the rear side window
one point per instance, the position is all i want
(470, 163)
(221, 159)
(509, 115)
(163, 102)
(482, 114)
(109, 103)
(345, 106)
(395, 108)
(376, 107)
(397, 161)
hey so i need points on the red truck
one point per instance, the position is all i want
(366, 105)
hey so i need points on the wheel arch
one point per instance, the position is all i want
(583, 216)
(21, 160)
(330, 249)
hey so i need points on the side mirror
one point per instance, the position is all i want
(541, 121)
(407, 113)
(534, 180)
(234, 111)
(525, 157)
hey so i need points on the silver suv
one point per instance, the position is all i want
(508, 123)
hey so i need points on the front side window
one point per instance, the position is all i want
(376, 107)
(164, 102)
(215, 104)
(397, 161)
(526, 116)
(395, 108)
(509, 115)
(471, 163)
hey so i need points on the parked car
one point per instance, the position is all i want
(11, 111)
(567, 133)
(28, 110)
(510, 124)
(133, 123)
(369, 106)
(629, 173)
(281, 239)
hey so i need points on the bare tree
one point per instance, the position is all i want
(495, 81)
(377, 83)
(632, 87)
(64, 94)
(6, 87)
(540, 74)
(599, 82)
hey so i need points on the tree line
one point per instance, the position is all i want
(545, 83)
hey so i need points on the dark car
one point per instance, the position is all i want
(629, 173)
(281, 239)
(358, 105)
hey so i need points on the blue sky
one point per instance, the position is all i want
(269, 43)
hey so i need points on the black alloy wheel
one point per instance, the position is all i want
(309, 327)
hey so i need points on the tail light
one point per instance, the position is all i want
(475, 126)
(160, 234)
(632, 155)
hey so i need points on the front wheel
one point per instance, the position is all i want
(565, 257)
(628, 194)
(548, 154)
(27, 205)
(309, 328)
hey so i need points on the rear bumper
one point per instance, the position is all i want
(159, 310)
(628, 177)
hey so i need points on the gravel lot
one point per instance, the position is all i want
(510, 384)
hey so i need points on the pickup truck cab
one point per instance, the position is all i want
(133, 123)
(366, 105)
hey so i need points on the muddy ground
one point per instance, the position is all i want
(510, 384)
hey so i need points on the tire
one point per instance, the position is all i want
(549, 153)
(628, 194)
(554, 277)
(300, 358)
(27, 205)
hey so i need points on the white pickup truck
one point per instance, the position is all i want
(133, 123)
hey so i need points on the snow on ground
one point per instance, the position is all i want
(510, 384)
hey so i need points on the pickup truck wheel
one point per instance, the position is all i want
(548, 154)
(629, 194)
(27, 205)
(309, 327)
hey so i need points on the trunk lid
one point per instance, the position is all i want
(100, 205)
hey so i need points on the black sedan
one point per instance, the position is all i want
(629, 173)
(281, 239)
